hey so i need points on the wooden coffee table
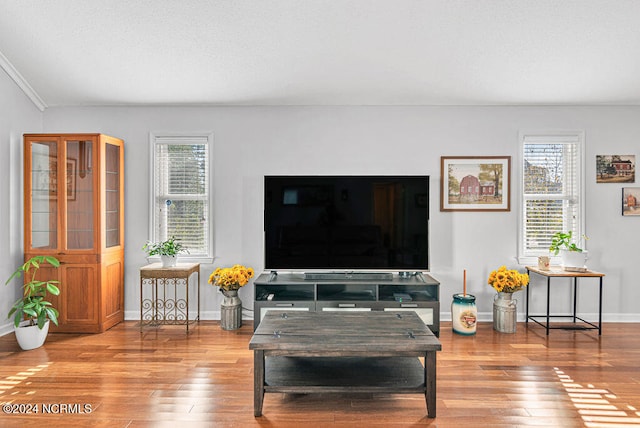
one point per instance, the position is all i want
(307, 352)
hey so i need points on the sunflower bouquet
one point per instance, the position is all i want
(231, 278)
(508, 281)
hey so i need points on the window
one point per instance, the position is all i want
(181, 200)
(552, 190)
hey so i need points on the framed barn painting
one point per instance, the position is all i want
(476, 183)
(615, 168)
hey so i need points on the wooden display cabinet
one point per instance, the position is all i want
(74, 211)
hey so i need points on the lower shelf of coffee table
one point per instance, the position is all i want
(340, 374)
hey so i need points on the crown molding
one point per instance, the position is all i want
(22, 83)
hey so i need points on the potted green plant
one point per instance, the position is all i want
(571, 255)
(167, 250)
(31, 313)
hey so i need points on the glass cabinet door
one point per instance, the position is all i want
(79, 194)
(112, 189)
(44, 194)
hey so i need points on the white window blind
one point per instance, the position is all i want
(181, 191)
(552, 190)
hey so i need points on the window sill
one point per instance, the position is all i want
(185, 259)
(533, 260)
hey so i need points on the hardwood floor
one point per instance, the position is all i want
(162, 377)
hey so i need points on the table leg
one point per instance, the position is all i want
(186, 297)
(156, 297)
(430, 382)
(154, 301)
(141, 298)
(575, 298)
(548, 301)
(258, 382)
(600, 310)
(526, 317)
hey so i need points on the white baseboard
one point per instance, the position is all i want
(591, 317)
(7, 328)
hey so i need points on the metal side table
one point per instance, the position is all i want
(558, 272)
(164, 294)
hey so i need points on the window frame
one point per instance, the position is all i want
(527, 256)
(182, 138)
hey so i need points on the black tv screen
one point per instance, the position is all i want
(346, 222)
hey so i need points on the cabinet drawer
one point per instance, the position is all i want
(428, 312)
(285, 293)
(415, 293)
(347, 292)
(346, 306)
(261, 308)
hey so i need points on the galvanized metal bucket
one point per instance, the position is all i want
(230, 310)
(504, 313)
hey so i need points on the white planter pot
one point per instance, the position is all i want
(30, 336)
(573, 259)
(168, 261)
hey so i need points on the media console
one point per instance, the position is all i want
(356, 292)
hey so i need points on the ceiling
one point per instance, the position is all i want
(323, 52)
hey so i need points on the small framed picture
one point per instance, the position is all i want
(631, 201)
(477, 183)
(615, 168)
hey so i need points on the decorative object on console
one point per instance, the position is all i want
(506, 282)
(544, 262)
(167, 250)
(476, 183)
(32, 310)
(571, 255)
(230, 280)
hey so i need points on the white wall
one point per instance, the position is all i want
(17, 116)
(250, 142)
(253, 141)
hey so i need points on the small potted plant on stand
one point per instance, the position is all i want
(31, 312)
(230, 280)
(167, 250)
(572, 257)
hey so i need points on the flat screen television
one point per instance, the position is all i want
(346, 223)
